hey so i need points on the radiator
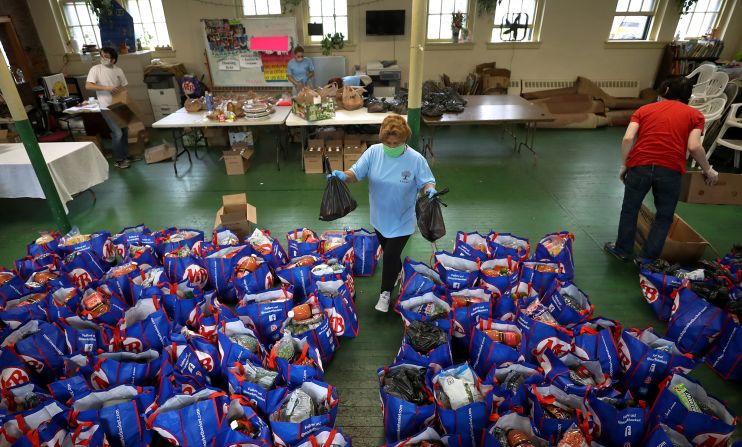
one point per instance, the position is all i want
(614, 87)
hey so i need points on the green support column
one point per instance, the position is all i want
(414, 95)
(25, 130)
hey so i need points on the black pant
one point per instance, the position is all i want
(392, 262)
(665, 185)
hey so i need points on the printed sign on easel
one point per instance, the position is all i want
(250, 60)
(229, 65)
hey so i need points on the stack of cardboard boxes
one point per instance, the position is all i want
(341, 150)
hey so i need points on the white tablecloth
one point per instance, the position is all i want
(74, 167)
(182, 119)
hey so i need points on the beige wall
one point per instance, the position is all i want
(572, 41)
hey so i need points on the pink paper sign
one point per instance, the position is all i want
(269, 43)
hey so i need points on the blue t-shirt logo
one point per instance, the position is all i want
(405, 176)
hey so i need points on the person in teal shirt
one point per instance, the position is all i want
(300, 69)
(395, 173)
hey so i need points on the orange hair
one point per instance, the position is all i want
(395, 125)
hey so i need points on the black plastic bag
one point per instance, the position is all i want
(337, 201)
(429, 216)
(424, 337)
(407, 383)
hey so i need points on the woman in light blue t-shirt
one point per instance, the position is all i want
(300, 70)
(395, 174)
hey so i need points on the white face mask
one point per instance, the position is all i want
(106, 61)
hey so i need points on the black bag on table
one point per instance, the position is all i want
(429, 216)
(337, 201)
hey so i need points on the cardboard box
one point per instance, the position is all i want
(353, 150)
(216, 136)
(237, 215)
(370, 138)
(683, 244)
(314, 112)
(313, 156)
(334, 153)
(7, 136)
(237, 162)
(121, 111)
(158, 153)
(727, 191)
(239, 140)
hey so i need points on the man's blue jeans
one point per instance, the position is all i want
(665, 185)
(119, 138)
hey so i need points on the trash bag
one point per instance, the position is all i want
(407, 403)
(337, 201)
(429, 216)
(376, 105)
(510, 382)
(423, 337)
(426, 345)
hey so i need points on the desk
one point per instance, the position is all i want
(342, 118)
(74, 167)
(183, 122)
(504, 110)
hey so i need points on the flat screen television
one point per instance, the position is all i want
(385, 22)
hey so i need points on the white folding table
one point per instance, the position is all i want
(74, 167)
(183, 122)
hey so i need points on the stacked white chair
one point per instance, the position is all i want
(733, 120)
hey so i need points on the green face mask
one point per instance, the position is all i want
(394, 152)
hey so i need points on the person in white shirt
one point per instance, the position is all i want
(107, 80)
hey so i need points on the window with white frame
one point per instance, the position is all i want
(633, 20)
(82, 23)
(514, 21)
(261, 7)
(150, 26)
(332, 14)
(440, 17)
(700, 19)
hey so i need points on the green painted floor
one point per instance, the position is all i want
(572, 186)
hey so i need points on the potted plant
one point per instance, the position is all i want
(332, 42)
(457, 22)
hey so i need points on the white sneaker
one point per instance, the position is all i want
(383, 304)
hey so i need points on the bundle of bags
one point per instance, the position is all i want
(534, 365)
(347, 97)
(122, 339)
(702, 306)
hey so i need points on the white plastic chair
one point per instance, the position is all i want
(733, 120)
(712, 88)
(712, 110)
(704, 73)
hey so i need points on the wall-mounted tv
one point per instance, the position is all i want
(385, 22)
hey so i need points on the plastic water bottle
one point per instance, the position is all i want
(209, 102)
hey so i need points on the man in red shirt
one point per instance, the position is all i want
(653, 150)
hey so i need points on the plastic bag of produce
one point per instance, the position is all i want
(499, 275)
(694, 324)
(302, 242)
(646, 359)
(683, 402)
(418, 279)
(471, 245)
(120, 411)
(502, 245)
(337, 302)
(726, 356)
(253, 382)
(617, 420)
(512, 429)
(455, 271)
(510, 382)
(366, 250)
(296, 360)
(190, 419)
(241, 426)
(267, 248)
(493, 343)
(296, 414)
(426, 345)
(298, 273)
(557, 247)
(266, 311)
(460, 398)
(407, 403)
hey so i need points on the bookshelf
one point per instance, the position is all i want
(681, 58)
